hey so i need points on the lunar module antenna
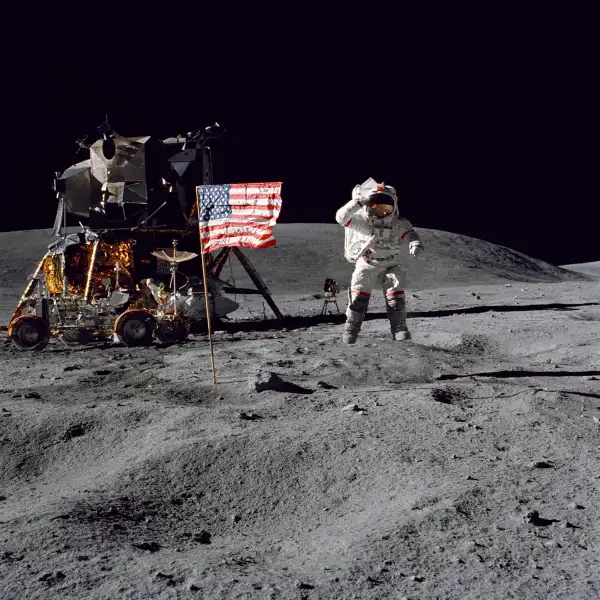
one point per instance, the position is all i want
(82, 144)
(109, 148)
(174, 257)
(148, 218)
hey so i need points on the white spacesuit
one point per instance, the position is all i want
(375, 235)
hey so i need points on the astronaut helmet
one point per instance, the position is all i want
(382, 202)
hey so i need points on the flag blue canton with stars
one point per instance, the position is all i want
(214, 202)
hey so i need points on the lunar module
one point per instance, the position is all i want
(134, 271)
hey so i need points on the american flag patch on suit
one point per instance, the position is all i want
(238, 214)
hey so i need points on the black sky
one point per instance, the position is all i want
(483, 117)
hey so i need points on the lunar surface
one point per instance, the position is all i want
(463, 464)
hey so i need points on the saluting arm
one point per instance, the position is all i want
(344, 215)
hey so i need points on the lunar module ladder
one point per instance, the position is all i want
(217, 266)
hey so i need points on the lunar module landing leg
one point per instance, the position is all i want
(216, 267)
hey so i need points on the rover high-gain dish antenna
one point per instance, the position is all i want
(174, 257)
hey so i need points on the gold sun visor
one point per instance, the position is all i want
(380, 205)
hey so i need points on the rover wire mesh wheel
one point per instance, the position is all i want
(76, 337)
(29, 332)
(135, 328)
(172, 330)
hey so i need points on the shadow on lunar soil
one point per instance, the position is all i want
(524, 373)
(300, 322)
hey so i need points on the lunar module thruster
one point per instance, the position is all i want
(133, 271)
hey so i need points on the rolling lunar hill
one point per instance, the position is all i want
(461, 465)
(592, 268)
(307, 253)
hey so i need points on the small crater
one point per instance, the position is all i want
(74, 431)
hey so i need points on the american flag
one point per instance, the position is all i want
(238, 214)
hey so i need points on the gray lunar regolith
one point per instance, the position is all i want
(465, 464)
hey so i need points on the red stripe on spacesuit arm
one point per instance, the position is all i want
(395, 293)
(408, 230)
(348, 223)
(360, 292)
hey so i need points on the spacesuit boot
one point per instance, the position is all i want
(352, 327)
(396, 312)
(355, 315)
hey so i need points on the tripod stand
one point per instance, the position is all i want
(329, 299)
(331, 290)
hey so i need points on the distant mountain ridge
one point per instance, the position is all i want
(308, 253)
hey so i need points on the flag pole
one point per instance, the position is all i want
(212, 356)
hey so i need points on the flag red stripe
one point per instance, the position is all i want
(247, 216)
(209, 228)
(219, 236)
(255, 196)
(236, 225)
(241, 221)
(230, 241)
(268, 184)
(272, 207)
(238, 208)
(212, 247)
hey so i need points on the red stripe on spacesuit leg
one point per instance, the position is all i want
(406, 233)
(348, 223)
(360, 292)
(395, 293)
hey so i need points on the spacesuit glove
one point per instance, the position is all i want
(357, 196)
(415, 248)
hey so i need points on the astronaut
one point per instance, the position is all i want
(375, 234)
